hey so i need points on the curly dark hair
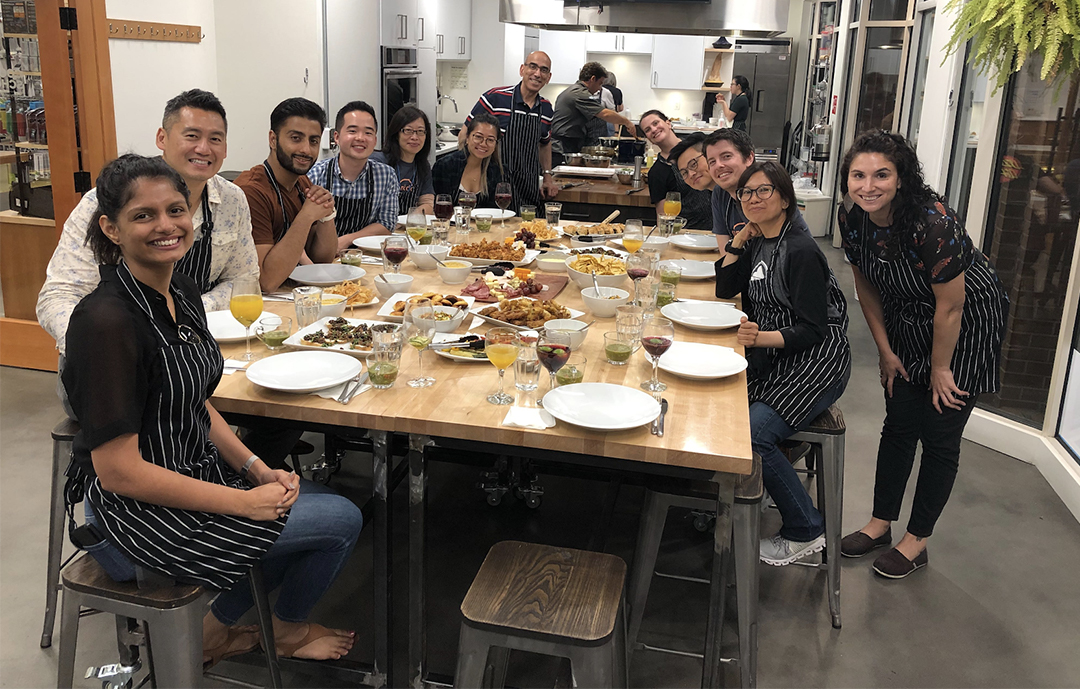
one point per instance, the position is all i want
(912, 194)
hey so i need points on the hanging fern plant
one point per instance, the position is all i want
(1004, 34)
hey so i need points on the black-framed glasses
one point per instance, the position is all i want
(481, 139)
(419, 133)
(692, 166)
(188, 335)
(533, 67)
(764, 192)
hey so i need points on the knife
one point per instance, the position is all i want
(359, 384)
(634, 191)
(660, 422)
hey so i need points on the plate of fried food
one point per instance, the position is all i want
(609, 230)
(484, 253)
(610, 271)
(347, 335)
(541, 230)
(394, 309)
(357, 294)
(525, 313)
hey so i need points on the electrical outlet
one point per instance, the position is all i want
(678, 105)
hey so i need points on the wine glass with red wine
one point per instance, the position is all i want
(553, 350)
(444, 207)
(395, 249)
(503, 196)
(656, 337)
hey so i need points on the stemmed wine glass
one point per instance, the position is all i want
(638, 266)
(444, 207)
(395, 249)
(503, 197)
(656, 338)
(673, 203)
(419, 322)
(246, 305)
(501, 346)
(467, 201)
(553, 349)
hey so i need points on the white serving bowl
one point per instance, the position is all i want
(577, 330)
(457, 315)
(422, 255)
(389, 284)
(552, 261)
(601, 305)
(584, 280)
(454, 276)
(333, 305)
(657, 243)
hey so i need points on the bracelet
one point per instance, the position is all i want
(732, 249)
(333, 214)
(247, 465)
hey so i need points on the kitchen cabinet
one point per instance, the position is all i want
(397, 23)
(452, 30)
(677, 62)
(625, 43)
(427, 22)
(567, 52)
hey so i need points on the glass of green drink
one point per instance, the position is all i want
(273, 331)
(385, 359)
(573, 371)
(617, 348)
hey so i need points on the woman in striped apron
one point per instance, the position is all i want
(796, 338)
(936, 310)
(168, 486)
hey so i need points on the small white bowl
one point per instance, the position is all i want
(584, 280)
(422, 255)
(603, 306)
(577, 330)
(389, 284)
(456, 316)
(657, 243)
(552, 261)
(333, 305)
(454, 276)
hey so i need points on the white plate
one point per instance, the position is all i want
(699, 361)
(695, 242)
(372, 243)
(303, 371)
(402, 219)
(530, 256)
(602, 406)
(703, 315)
(693, 270)
(495, 213)
(447, 337)
(388, 307)
(225, 328)
(574, 314)
(326, 274)
(581, 171)
(296, 340)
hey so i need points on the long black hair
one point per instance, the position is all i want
(392, 144)
(115, 187)
(477, 120)
(912, 194)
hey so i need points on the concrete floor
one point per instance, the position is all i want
(999, 605)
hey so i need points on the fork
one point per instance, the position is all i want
(655, 427)
(350, 383)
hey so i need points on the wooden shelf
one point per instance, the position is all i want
(21, 35)
(26, 144)
(719, 50)
(25, 74)
(41, 184)
(715, 89)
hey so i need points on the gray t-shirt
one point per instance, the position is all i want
(574, 107)
(406, 173)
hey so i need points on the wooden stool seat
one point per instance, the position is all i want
(85, 575)
(542, 589)
(830, 422)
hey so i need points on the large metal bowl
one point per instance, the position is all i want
(597, 161)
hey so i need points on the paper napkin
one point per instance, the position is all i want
(528, 417)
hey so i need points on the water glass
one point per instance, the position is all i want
(573, 371)
(552, 213)
(527, 367)
(440, 234)
(665, 225)
(273, 331)
(618, 348)
(385, 361)
(629, 320)
(308, 302)
(665, 294)
(646, 293)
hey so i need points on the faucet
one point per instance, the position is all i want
(442, 98)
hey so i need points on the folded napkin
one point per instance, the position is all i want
(233, 365)
(528, 417)
(335, 392)
(477, 321)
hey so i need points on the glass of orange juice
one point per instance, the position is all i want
(633, 235)
(246, 305)
(501, 346)
(673, 203)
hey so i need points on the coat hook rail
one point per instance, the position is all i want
(154, 31)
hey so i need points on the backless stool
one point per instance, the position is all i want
(63, 435)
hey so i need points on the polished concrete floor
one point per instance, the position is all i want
(999, 605)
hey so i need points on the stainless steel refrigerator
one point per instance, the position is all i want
(766, 64)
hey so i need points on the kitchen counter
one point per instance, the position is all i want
(444, 147)
(603, 192)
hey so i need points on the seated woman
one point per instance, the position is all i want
(168, 485)
(476, 167)
(796, 340)
(406, 149)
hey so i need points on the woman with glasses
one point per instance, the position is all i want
(406, 149)
(476, 166)
(739, 110)
(795, 334)
(168, 486)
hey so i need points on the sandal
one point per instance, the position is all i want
(226, 650)
(314, 633)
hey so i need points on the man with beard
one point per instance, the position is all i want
(696, 205)
(292, 220)
(365, 191)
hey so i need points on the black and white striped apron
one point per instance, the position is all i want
(194, 547)
(279, 232)
(353, 215)
(521, 156)
(196, 262)
(794, 383)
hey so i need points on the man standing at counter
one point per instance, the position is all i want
(525, 122)
(575, 107)
(696, 205)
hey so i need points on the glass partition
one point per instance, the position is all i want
(1069, 421)
(881, 67)
(922, 64)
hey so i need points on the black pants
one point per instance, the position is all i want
(910, 417)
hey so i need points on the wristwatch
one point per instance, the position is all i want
(333, 214)
(247, 465)
(732, 249)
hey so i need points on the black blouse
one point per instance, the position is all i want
(446, 177)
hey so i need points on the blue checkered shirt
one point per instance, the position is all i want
(385, 207)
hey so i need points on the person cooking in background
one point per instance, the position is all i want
(575, 107)
(596, 127)
(524, 118)
(739, 110)
(476, 166)
(696, 205)
(406, 149)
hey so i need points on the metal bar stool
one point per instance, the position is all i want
(543, 599)
(745, 524)
(63, 435)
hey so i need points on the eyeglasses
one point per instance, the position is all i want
(764, 192)
(481, 139)
(692, 166)
(188, 335)
(533, 67)
(418, 133)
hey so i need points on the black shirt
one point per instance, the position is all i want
(696, 205)
(740, 105)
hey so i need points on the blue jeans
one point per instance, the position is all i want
(802, 521)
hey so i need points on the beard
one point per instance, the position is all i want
(285, 160)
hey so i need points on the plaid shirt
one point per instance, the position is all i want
(385, 205)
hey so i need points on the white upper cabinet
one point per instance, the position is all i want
(452, 30)
(677, 62)
(601, 42)
(567, 52)
(427, 22)
(397, 23)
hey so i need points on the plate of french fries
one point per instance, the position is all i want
(357, 294)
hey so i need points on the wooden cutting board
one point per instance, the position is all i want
(553, 281)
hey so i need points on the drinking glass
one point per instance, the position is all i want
(467, 201)
(419, 323)
(646, 291)
(552, 213)
(670, 273)
(440, 234)
(665, 225)
(504, 194)
(617, 348)
(246, 305)
(273, 331)
(501, 346)
(573, 371)
(385, 359)
(553, 350)
(308, 302)
(483, 222)
(673, 203)
(633, 237)
(416, 224)
(678, 224)
(656, 338)
(395, 249)
(528, 213)
(665, 294)
(352, 257)
(629, 320)
(444, 207)
(637, 268)
(527, 366)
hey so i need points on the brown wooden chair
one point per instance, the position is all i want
(549, 600)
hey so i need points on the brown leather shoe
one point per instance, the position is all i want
(858, 544)
(894, 565)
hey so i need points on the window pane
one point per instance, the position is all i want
(1031, 231)
(886, 10)
(969, 119)
(881, 70)
(922, 63)
(827, 17)
(1069, 421)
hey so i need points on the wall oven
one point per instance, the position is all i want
(400, 81)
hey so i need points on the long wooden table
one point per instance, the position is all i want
(707, 438)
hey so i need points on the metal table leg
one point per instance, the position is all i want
(712, 674)
(383, 569)
(417, 567)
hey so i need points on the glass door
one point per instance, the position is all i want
(922, 64)
(1068, 430)
(969, 120)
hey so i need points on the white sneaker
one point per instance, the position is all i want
(779, 551)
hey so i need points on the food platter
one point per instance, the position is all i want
(387, 310)
(299, 372)
(530, 256)
(326, 274)
(296, 340)
(602, 406)
(454, 356)
(574, 313)
(698, 361)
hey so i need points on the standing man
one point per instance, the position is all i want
(696, 205)
(292, 220)
(575, 107)
(365, 191)
(525, 122)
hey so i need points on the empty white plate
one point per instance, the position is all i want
(495, 213)
(693, 270)
(699, 361)
(695, 242)
(326, 274)
(225, 328)
(703, 315)
(602, 406)
(303, 371)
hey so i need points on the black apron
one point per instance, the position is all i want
(521, 156)
(279, 232)
(353, 215)
(196, 262)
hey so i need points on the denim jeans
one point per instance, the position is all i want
(802, 521)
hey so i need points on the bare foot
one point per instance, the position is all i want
(311, 641)
(876, 528)
(910, 546)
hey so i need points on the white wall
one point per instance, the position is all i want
(146, 74)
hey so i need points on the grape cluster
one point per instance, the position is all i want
(527, 238)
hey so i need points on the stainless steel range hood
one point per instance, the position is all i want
(751, 18)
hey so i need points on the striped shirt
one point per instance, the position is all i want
(504, 100)
(385, 208)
